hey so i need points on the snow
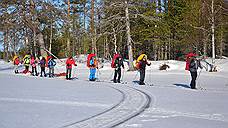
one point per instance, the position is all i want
(35, 102)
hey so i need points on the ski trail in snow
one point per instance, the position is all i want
(55, 102)
(132, 104)
(158, 113)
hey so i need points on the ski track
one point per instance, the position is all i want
(154, 114)
(54, 102)
(133, 103)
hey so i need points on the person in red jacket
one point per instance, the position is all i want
(70, 61)
(16, 63)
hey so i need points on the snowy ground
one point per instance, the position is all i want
(34, 102)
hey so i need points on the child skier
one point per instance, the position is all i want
(118, 63)
(193, 66)
(51, 65)
(16, 62)
(26, 61)
(33, 63)
(42, 67)
(70, 61)
(93, 66)
(142, 67)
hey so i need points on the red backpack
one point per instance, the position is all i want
(114, 59)
(89, 58)
(187, 63)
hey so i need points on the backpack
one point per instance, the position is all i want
(137, 64)
(89, 58)
(114, 59)
(187, 66)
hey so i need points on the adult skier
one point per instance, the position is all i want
(142, 63)
(193, 66)
(51, 65)
(70, 61)
(33, 63)
(118, 63)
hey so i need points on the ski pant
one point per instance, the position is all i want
(92, 74)
(142, 76)
(193, 81)
(26, 68)
(68, 73)
(51, 72)
(42, 72)
(117, 72)
(34, 71)
(16, 68)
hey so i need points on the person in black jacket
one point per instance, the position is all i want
(193, 66)
(142, 68)
(118, 64)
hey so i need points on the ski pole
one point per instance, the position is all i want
(123, 75)
(110, 77)
(197, 79)
(136, 75)
(98, 72)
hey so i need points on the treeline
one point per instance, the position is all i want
(163, 29)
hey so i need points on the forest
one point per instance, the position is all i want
(163, 29)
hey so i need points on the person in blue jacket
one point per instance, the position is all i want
(92, 65)
(51, 65)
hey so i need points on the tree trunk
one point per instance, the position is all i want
(115, 41)
(213, 32)
(221, 44)
(204, 44)
(50, 39)
(6, 46)
(166, 49)
(42, 45)
(130, 53)
(169, 49)
(94, 49)
(34, 51)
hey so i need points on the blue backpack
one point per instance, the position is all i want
(51, 63)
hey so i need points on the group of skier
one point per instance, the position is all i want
(30, 60)
(192, 65)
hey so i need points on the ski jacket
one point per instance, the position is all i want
(70, 62)
(33, 62)
(51, 63)
(16, 61)
(26, 61)
(93, 63)
(194, 65)
(118, 63)
(42, 63)
(142, 64)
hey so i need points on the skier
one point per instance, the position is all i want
(142, 62)
(51, 65)
(16, 62)
(93, 66)
(70, 61)
(193, 66)
(26, 61)
(118, 63)
(33, 63)
(42, 67)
